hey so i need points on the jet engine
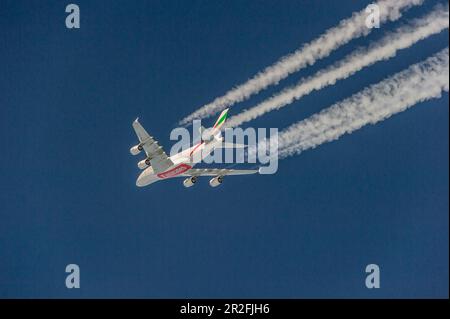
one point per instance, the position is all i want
(144, 163)
(216, 181)
(135, 150)
(188, 182)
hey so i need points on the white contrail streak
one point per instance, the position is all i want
(348, 29)
(420, 82)
(404, 37)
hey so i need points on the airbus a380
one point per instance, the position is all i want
(158, 166)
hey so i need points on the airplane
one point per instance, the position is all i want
(158, 166)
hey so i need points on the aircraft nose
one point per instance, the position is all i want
(140, 180)
(146, 177)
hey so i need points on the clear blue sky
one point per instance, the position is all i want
(67, 187)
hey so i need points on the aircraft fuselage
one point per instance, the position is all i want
(183, 162)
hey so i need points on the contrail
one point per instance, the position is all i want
(404, 37)
(348, 29)
(420, 82)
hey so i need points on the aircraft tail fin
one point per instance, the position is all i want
(208, 134)
(221, 120)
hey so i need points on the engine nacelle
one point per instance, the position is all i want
(188, 182)
(144, 163)
(216, 181)
(135, 150)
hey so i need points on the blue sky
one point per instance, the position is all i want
(68, 194)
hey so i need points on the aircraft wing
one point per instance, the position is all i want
(231, 145)
(158, 158)
(218, 172)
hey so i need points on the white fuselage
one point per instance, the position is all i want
(182, 162)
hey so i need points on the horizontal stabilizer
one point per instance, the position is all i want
(231, 145)
(218, 172)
